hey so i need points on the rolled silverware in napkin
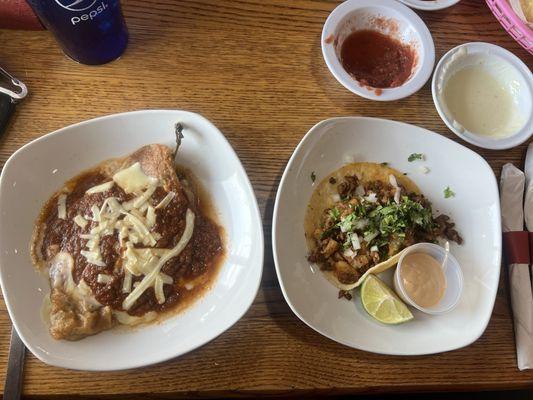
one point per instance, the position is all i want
(516, 246)
(528, 199)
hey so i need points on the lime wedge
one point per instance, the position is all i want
(382, 303)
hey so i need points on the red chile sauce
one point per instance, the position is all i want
(377, 60)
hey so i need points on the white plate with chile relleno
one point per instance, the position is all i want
(386, 237)
(138, 252)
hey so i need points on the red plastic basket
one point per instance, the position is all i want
(512, 23)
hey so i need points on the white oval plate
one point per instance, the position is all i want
(431, 5)
(38, 169)
(475, 209)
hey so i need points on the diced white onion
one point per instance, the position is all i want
(335, 198)
(424, 169)
(374, 248)
(100, 188)
(356, 244)
(372, 198)
(349, 253)
(398, 190)
(62, 206)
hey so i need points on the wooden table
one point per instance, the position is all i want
(254, 68)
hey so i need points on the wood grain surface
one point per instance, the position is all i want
(255, 69)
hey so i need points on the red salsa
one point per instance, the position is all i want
(377, 60)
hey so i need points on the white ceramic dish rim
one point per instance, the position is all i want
(489, 49)
(430, 5)
(427, 47)
(171, 355)
(301, 144)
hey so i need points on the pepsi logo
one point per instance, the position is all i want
(76, 5)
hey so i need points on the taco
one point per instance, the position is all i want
(361, 217)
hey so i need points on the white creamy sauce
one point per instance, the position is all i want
(481, 95)
(479, 102)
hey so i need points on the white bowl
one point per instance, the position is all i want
(430, 5)
(38, 169)
(478, 52)
(452, 274)
(354, 15)
(475, 209)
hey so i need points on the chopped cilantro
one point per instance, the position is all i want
(327, 233)
(334, 213)
(448, 193)
(313, 176)
(415, 156)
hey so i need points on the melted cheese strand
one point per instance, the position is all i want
(150, 278)
(167, 199)
(100, 188)
(126, 284)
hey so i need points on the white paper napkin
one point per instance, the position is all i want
(528, 198)
(511, 196)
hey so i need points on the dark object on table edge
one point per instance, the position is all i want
(9, 98)
(17, 14)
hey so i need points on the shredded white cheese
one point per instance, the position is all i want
(133, 179)
(166, 200)
(100, 188)
(126, 283)
(150, 279)
(104, 278)
(80, 221)
(140, 200)
(62, 206)
(356, 244)
(150, 217)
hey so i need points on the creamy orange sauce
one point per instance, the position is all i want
(423, 279)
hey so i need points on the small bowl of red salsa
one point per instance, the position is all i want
(378, 49)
